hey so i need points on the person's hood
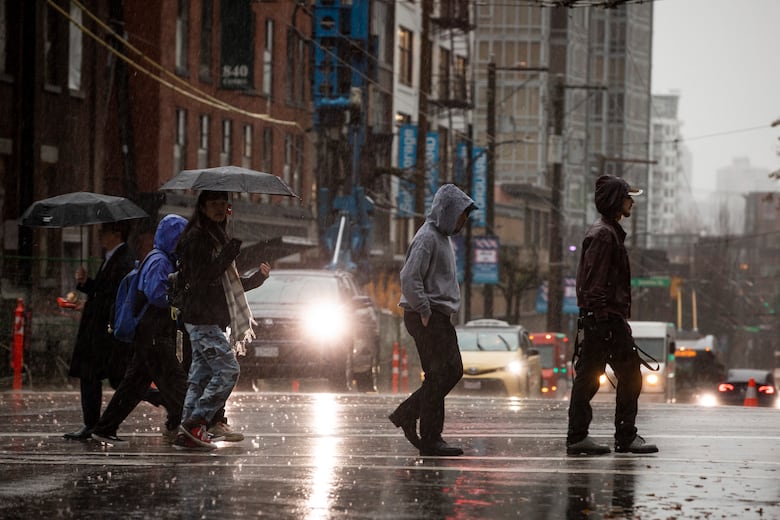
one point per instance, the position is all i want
(610, 192)
(448, 203)
(168, 232)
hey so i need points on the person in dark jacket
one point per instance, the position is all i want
(430, 295)
(154, 347)
(215, 300)
(96, 354)
(604, 299)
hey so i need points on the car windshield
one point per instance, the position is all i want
(293, 289)
(545, 354)
(487, 340)
(654, 347)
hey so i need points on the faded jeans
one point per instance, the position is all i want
(213, 372)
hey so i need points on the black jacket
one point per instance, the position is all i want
(205, 303)
(97, 354)
(604, 274)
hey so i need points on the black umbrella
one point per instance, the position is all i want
(229, 178)
(80, 208)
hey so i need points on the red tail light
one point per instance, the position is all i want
(725, 387)
(766, 389)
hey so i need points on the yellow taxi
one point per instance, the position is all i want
(498, 358)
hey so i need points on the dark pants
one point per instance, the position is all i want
(91, 389)
(154, 360)
(610, 344)
(437, 346)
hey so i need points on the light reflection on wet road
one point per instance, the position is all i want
(314, 456)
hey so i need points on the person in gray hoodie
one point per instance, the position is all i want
(430, 295)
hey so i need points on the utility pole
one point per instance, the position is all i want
(555, 278)
(491, 175)
(422, 113)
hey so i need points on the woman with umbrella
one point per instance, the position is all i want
(215, 300)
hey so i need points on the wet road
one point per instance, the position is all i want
(317, 455)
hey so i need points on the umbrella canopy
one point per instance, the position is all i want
(229, 178)
(80, 209)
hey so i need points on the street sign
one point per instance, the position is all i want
(653, 281)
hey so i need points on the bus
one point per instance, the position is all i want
(657, 339)
(698, 368)
(555, 351)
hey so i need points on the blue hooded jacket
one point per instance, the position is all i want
(153, 278)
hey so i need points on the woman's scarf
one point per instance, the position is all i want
(241, 320)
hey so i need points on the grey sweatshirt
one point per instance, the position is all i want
(429, 278)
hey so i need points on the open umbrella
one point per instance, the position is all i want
(80, 208)
(229, 178)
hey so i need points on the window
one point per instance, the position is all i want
(444, 73)
(268, 58)
(51, 37)
(182, 36)
(227, 138)
(203, 142)
(268, 149)
(247, 141)
(206, 24)
(296, 63)
(180, 141)
(405, 62)
(461, 69)
(75, 49)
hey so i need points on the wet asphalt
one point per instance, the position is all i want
(312, 455)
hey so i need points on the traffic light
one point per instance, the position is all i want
(675, 286)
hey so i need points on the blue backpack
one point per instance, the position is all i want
(131, 303)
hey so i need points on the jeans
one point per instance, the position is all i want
(437, 345)
(213, 372)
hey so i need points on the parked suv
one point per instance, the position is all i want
(314, 323)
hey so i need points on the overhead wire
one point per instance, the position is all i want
(196, 94)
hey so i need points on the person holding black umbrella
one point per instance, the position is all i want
(215, 301)
(96, 354)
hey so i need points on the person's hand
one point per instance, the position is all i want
(425, 320)
(81, 275)
(265, 268)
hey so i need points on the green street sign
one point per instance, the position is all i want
(654, 281)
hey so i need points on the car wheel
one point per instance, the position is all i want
(367, 381)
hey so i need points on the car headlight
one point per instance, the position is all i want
(602, 379)
(325, 321)
(708, 400)
(652, 379)
(515, 367)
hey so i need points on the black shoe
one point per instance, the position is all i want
(80, 435)
(586, 446)
(108, 439)
(439, 448)
(638, 445)
(409, 427)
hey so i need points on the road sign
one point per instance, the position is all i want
(653, 281)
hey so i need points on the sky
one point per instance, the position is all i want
(722, 57)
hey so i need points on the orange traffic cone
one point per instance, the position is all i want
(751, 396)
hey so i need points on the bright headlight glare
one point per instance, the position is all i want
(514, 367)
(652, 379)
(602, 379)
(325, 321)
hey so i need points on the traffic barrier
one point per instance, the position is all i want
(18, 357)
(395, 368)
(404, 370)
(751, 396)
